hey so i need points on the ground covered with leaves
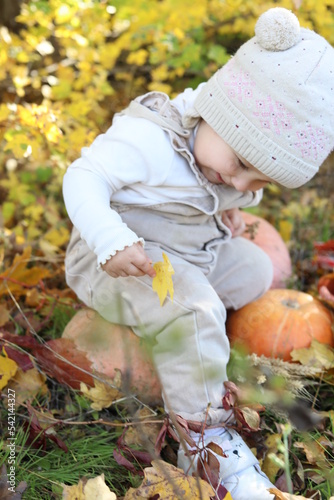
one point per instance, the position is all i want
(72, 433)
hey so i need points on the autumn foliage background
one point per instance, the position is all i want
(65, 68)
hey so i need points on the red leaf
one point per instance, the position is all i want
(37, 436)
(231, 396)
(141, 456)
(24, 341)
(21, 359)
(161, 437)
(138, 455)
(208, 468)
(222, 492)
(58, 442)
(124, 462)
(248, 418)
(325, 261)
(321, 246)
(72, 370)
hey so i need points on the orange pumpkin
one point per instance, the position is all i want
(271, 242)
(280, 321)
(110, 347)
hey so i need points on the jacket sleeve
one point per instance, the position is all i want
(115, 160)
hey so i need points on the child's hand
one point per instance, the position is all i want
(132, 261)
(233, 220)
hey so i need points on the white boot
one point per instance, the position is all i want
(239, 473)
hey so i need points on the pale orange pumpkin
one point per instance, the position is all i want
(112, 347)
(280, 321)
(268, 238)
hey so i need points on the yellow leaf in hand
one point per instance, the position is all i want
(162, 283)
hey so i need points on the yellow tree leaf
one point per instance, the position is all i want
(165, 481)
(103, 394)
(18, 275)
(57, 237)
(4, 112)
(8, 368)
(138, 57)
(52, 132)
(162, 283)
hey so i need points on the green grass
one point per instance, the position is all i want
(90, 453)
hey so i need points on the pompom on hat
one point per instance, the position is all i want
(273, 102)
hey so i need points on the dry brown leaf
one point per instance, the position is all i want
(27, 384)
(314, 451)
(4, 314)
(143, 433)
(33, 298)
(103, 394)
(169, 483)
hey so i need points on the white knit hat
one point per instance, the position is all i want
(273, 102)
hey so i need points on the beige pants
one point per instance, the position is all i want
(190, 346)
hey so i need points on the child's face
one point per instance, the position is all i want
(220, 164)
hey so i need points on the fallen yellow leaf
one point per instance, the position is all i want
(169, 483)
(317, 355)
(269, 466)
(103, 394)
(162, 283)
(279, 495)
(73, 492)
(18, 275)
(93, 489)
(8, 368)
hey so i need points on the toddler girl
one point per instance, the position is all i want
(171, 176)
